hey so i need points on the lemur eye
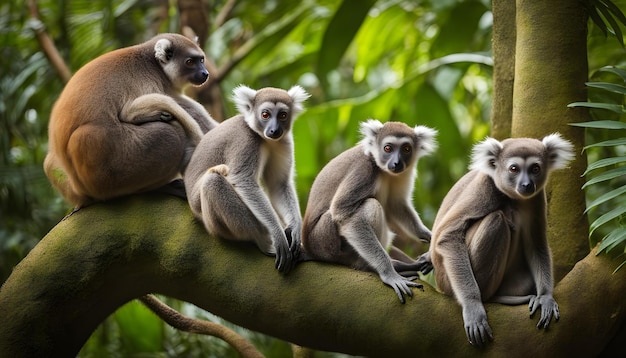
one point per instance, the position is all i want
(514, 168)
(387, 148)
(406, 149)
(189, 62)
(282, 115)
(535, 169)
(265, 115)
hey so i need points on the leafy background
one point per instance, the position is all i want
(419, 62)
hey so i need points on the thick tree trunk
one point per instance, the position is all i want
(107, 254)
(550, 72)
(194, 16)
(503, 48)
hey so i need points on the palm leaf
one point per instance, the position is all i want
(605, 162)
(601, 124)
(613, 239)
(611, 107)
(607, 143)
(608, 175)
(606, 217)
(616, 11)
(614, 25)
(615, 70)
(595, 16)
(608, 86)
(606, 197)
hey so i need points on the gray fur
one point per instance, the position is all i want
(357, 203)
(240, 180)
(489, 237)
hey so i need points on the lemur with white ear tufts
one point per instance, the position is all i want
(122, 124)
(240, 180)
(363, 197)
(489, 237)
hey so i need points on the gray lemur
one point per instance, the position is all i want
(122, 124)
(363, 196)
(240, 180)
(489, 237)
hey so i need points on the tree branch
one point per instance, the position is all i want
(280, 26)
(224, 13)
(107, 254)
(47, 45)
(192, 325)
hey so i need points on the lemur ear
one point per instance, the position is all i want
(369, 130)
(243, 96)
(559, 151)
(425, 139)
(485, 154)
(163, 50)
(298, 96)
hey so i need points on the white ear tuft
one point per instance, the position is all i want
(560, 151)
(162, 50)
(243, 96)
(298, 96)
(484, 155)
(369, 130)
(426, 140)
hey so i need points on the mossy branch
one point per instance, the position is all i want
(108, 254)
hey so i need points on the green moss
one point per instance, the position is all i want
(59, 175)
(550, 72)
(107, 254)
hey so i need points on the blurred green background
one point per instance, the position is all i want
(415, 61)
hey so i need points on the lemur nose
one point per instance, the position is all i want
(527, 188)
(396, 167)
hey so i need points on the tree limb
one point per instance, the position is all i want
(224, 13)
(47, 45)
(192, 325)
(107, 254)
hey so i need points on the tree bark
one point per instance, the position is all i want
(503, 48)
(107, 254)
(550, 72)
(194, 18)
(47, 45)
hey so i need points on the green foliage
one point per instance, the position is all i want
(423, 62)
(28, 205)
(340, 33)
(606, 15)
(607, 187)
(387, 71)
(135, 331)
(419, 62)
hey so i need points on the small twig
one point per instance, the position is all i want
(192, 325)
(252, 43)
(224, 13)
(47, 45)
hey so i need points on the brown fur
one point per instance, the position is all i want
(122, 124)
